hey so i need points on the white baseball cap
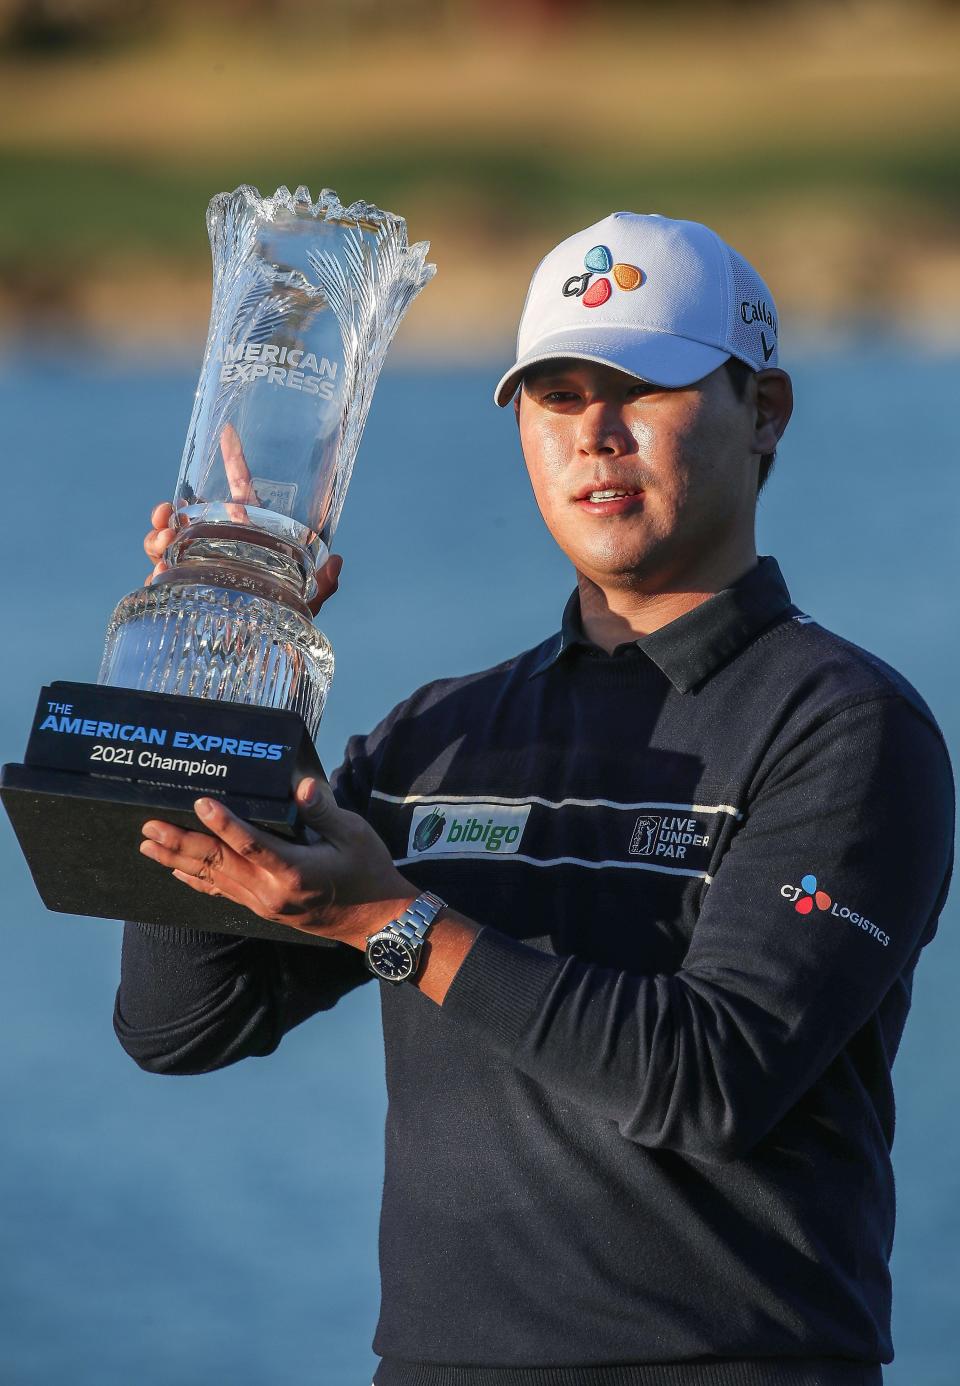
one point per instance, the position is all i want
(667, 301)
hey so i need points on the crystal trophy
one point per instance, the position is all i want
(214, 677)
(306, 299)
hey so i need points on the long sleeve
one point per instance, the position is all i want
(818, 910)
(189, 1002)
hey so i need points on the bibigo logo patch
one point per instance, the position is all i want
(444, 829)
(599, 260)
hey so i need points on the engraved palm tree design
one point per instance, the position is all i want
(369, 287)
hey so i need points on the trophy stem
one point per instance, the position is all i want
(247, 557)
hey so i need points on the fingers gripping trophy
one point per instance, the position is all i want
(214, 677)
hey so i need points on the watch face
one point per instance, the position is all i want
(391, 958)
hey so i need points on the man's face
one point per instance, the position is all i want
(679, 462)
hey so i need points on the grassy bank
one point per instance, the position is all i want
(823, 146)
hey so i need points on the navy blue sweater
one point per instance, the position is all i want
(646, 1139)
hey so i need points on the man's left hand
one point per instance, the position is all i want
(342, 884)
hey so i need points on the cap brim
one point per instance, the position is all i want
(658, 357)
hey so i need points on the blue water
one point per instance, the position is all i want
(222, 1229)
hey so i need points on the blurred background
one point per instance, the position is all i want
(820, 137)
(223, 1228)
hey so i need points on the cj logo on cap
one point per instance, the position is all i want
(600, 261)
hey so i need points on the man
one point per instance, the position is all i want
(691, 847)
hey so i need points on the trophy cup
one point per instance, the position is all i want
(214, 677)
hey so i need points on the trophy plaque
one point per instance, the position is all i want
(214, 677)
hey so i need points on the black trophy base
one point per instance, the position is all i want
(78, 815)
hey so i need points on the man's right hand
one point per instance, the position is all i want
(161, 535)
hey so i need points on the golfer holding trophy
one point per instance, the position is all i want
(640, 1103)
(213, 676)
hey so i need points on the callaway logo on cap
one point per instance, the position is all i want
(667, 301)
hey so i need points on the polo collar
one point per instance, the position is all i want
(692, 646)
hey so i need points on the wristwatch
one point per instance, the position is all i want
(394, 952)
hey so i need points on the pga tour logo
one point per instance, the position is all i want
(665, 835)
(444, 829)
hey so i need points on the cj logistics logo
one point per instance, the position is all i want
(598, 260)
(812, 896)
(808, 895)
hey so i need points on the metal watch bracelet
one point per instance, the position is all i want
(416, 919)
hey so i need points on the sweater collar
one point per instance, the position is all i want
(692, 646)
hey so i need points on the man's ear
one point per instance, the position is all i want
(774, 406)
(516, 404)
